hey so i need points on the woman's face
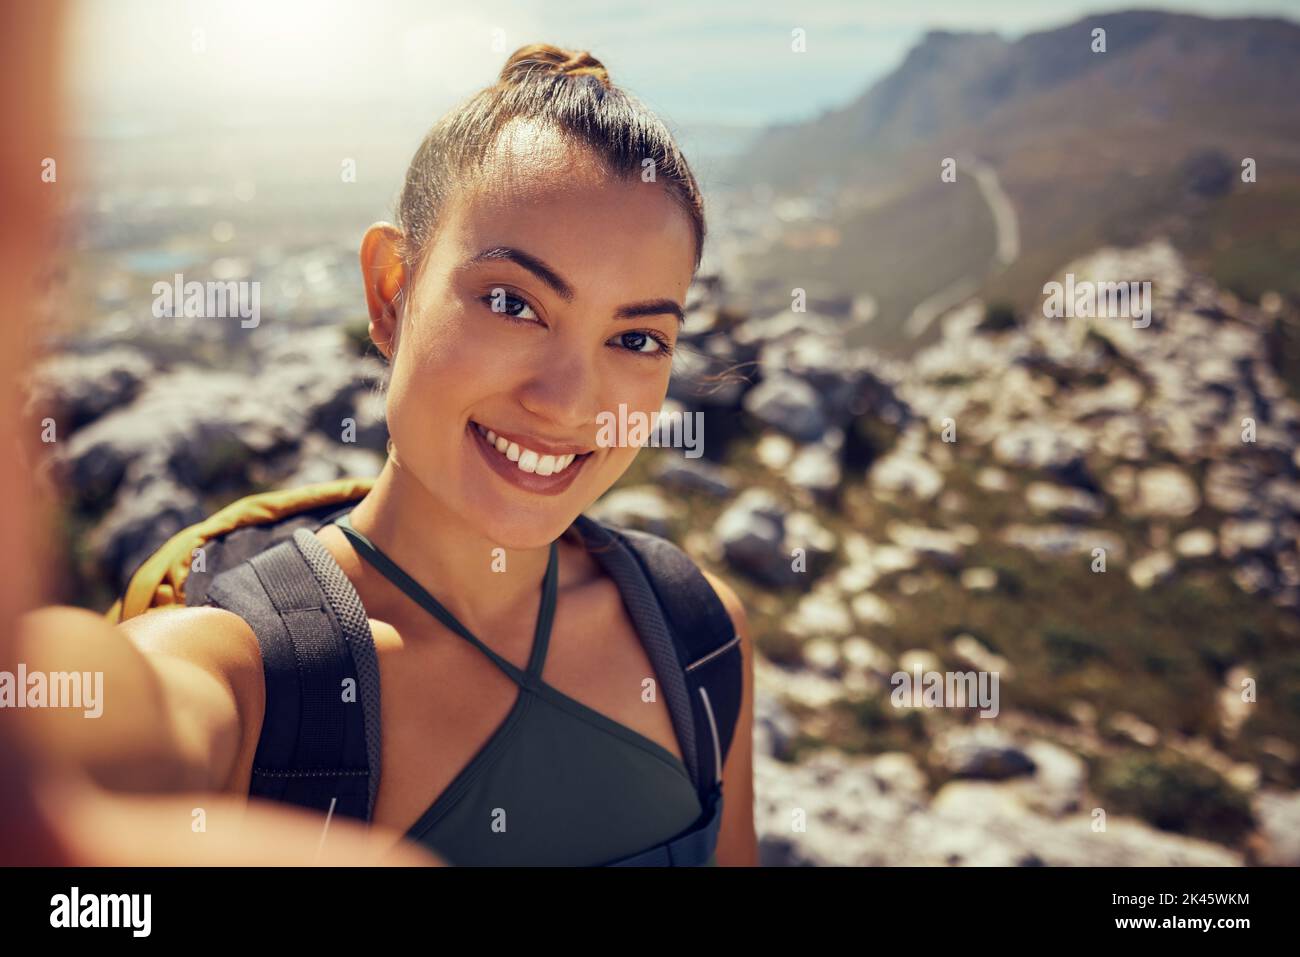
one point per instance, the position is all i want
(549, 295)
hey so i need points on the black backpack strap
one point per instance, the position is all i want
(707, 643)
(697, 655)
(319, 746)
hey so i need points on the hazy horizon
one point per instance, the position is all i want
(133, 66)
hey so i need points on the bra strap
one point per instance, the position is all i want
(417, 593)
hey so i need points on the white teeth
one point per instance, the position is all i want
(527, 459)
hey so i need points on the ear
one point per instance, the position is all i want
(384, 273)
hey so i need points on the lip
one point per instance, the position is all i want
(540, 446)
(527, 481)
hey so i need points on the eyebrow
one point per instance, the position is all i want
(651, 307)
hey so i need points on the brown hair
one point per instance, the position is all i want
(567, 91)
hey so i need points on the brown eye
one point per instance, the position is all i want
(644, 342)
(507, 304)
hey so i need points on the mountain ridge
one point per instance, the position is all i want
(1145, 139)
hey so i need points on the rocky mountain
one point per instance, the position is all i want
(1144, 139)
(148, 445)
(1170, 70)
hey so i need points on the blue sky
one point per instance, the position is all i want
(697, 61)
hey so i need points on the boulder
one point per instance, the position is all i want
(641, 507)
(1062, 502)
(1039, 445)
(1165, 491)
(1278, 814)
(815, 468)
(981, 752)
(1152, 569)
(788, 404)
(904, 473)
(148, 513)
(680, 473)
(76, 389)
(751, 532)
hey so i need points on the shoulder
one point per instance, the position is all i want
(190, 631)
(731, 602)
(217, 640)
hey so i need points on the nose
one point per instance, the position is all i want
(563, 391)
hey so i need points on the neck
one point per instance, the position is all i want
(478, 580)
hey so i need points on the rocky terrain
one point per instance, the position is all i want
(1104, 516)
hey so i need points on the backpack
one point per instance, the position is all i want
(259, 559)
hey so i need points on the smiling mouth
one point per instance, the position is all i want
(525, 459)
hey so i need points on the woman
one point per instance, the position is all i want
(547, 234)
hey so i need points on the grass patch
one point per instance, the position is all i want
(1173, 794)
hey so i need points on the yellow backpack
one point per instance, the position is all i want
(255, 521)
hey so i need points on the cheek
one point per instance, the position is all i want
(444, 359)
(439, 364)
(641, 399)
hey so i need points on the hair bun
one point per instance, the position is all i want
(543, 59)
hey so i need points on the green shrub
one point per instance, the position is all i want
(1068, 650)
(1174, 794)
(887, 727)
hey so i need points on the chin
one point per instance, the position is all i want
(536, 531)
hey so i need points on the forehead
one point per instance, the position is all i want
(554, 199)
